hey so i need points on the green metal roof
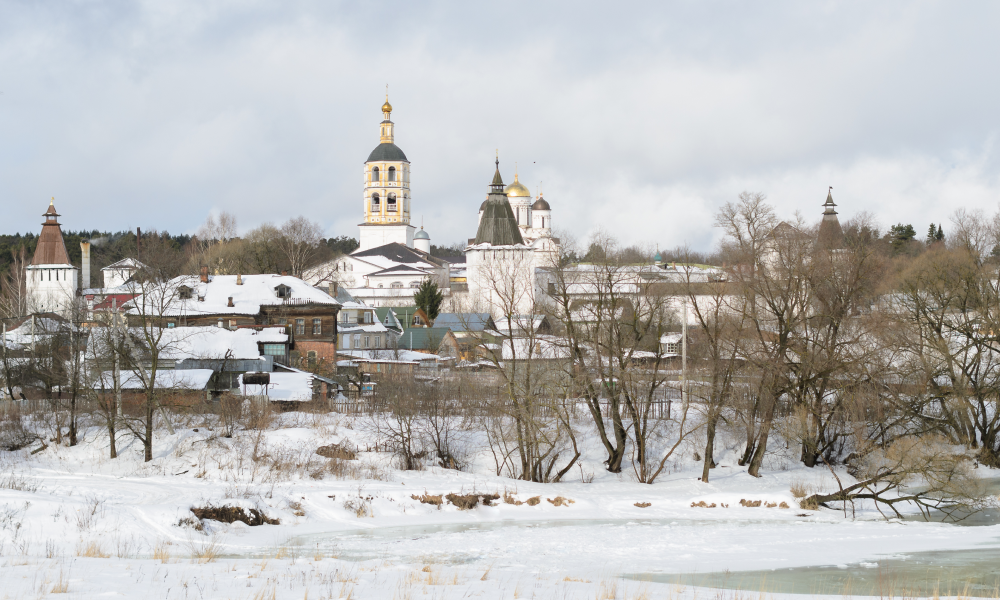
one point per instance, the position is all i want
(386, 151)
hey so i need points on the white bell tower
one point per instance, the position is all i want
(387, 191)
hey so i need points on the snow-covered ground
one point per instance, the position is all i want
(72, 519)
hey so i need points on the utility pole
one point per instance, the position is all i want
(684, 355)
(116, 373)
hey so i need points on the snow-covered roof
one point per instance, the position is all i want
(542, 347)
(254, 292)
(284, 386)
(167, 379)
(389, 355)
(670, 338)
(124, 264)
(179, 343)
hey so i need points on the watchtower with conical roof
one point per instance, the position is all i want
(499, 265)
(831, 235)
(387, 191)
(52, 280)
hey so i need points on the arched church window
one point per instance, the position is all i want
(391, 203)
(375, 203)
(396, 285)
(375, 174)
(392, 173)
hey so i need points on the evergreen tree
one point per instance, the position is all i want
(931, 234)
(900, 235)
(939, 236)
(429, 298)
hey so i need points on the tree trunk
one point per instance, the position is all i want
(765, 431)
(709, 446)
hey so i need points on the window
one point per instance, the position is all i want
(378, 341)
(414, 284)
(274, 349)
(357, 340)
(396, 285)
(317, 326)
(300, 326)
(232, 323)
(368, 317)
(380, 286)
(375, 204)
(392, 173)
(283, 291)
(367, 341)
(391, 204)
(171, 325)
(375, 175)
(282, 321)
(184, 292)
(347, 342)
(311, 358)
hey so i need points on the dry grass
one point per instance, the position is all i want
(296, 508)
(486, 573)
(508, 498)
(61, 586)
(572, 580)
(534, 500)
(429, 499)
(800, 489)
(560, 501)
(161, 553)
(206, 552)
(361, 507)
(91, 549)
(642, 504)
(608, 590)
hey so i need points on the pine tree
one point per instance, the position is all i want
(939, 236)
(429, 298)
(931, 234)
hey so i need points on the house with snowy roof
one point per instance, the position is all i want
(308, 314)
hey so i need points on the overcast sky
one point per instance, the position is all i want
(639, 119)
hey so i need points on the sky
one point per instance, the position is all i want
(638, 120)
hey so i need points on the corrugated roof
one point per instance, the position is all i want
(423, 338)
(464, 321)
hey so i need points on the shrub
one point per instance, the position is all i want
(560, 501)
(231, 514)
(429, 499)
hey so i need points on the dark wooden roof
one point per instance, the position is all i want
(51, 249)
(498, 225)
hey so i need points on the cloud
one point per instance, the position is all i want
(639, 119)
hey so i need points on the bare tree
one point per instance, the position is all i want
(299, 243)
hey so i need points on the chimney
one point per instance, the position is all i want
(85, 265)
(230, 302)
(239, 279)
(284, 273)
(138, 241)
(204, 273)
(333, 288)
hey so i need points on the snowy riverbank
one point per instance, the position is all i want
(102, 527)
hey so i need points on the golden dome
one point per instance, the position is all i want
(386, 107)
(517, 189)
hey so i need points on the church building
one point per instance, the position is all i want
(387, 191)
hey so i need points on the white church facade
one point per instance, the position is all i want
(394, 256)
